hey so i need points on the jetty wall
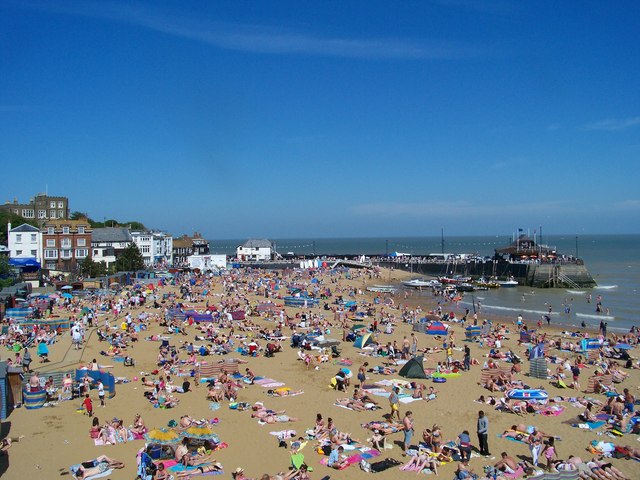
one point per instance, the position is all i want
(572, 275)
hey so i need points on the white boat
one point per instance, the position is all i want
(382, 289)
(418, 283)
(511, 282)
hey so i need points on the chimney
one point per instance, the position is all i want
(15, 200)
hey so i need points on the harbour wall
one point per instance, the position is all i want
(572, 275)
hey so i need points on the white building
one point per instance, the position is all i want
(108, 243)
(156, 248)
(255, 250)
(25, 241)
(207, 263)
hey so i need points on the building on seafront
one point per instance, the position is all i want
(108, 243)
(255, 250)
(156, 247)
(24, 241)
(185, 246)
(66, 243)
(42, 207)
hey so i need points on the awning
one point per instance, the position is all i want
(24, 262)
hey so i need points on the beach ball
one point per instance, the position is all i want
(135, 379)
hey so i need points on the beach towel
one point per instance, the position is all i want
(589, 425)
(284, 433)
(74, 468)
(517, 474)
(552, 410)
(193, 470)
(523, 440)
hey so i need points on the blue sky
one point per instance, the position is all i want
(326, 119)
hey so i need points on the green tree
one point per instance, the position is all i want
(130, 259)
(6, 273)
(91, 269)
(15, 221)
(78, 215)
(136, 226)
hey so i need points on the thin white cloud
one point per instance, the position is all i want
(613, 124)
(465, 209)
(254, 38)
(627, 205)
(553, 127)
(455, 209)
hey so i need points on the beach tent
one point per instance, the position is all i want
(363, 340)
(538, 367)
(436, 328)
(472, 332)
(413, 369)
(525, 336)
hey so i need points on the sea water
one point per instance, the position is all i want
(612, 260)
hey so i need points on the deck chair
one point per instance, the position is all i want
(297, 460)
(146, 467)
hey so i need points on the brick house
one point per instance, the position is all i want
(66, 243)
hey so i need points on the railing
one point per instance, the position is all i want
(566, 280)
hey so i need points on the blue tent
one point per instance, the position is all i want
(363, 341)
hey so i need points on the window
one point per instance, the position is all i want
(18, 238)
(50, 253)
(18, 252)
(66, 243)
(51, 265)
(51, 231)
(34, 238)
(66, 254)
(65, 230)
(81, 252)
(52, 204)
(81, 242)
(145, 249)
(60, 204)
(60, 213)
(34, 253)
(27, 213)
(81, 230)
(52, 214)
(42, 214)
(95, 253)
(15, 210)
(51, 242)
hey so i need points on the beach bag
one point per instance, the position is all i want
(383, 465)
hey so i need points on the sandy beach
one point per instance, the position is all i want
(57, 437)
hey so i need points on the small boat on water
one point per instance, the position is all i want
(465, 287)
(382, 289)
(454, 280)
(509, 283)
(486, 284)
(527, 394)
(419, 283)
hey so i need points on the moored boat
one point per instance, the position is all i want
(382, 289)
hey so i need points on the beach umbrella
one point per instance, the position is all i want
(201, 432)
(163, 436)
(66, 295)
(67, 287)
(358, 327)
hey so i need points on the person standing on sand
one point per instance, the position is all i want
(483, 433)
(407, 428)
(393, 402)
